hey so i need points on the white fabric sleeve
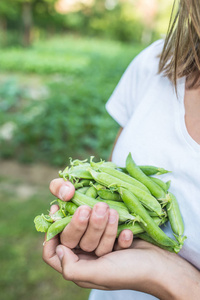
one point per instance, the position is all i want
(127, 94)
(120, 103)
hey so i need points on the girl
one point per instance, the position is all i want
(157, 104)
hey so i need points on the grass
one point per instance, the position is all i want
(23, 274)
(67, 54)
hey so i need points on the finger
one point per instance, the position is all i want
(54, 208)
(89, 285)
(73, 232)
(96, 227)
(109, 236)
(62, 189)
(74, 269)
(125, 240)
(49, 249)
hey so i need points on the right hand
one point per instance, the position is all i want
(90, 229)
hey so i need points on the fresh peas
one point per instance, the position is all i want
(83, 190)
(57, 227)
(148, 224)
(142, 201)
(81, 199)
(124, 177)
(135, 227)
(164, 185)
(91, 192)
(174, 216)
(135, 172)
(108, 195)
(70, 207)
(152, 170)
(82, 183)
(144, 236)
(110, 181)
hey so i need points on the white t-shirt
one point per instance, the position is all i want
(146, 105)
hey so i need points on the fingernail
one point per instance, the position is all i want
(84, 214)
(112, 219)
(101, 210)
(127, 237)
(64, 190)
(59, 252)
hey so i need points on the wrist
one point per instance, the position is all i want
(179, 280)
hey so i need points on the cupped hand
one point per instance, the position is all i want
(143, 267)
(90, 229)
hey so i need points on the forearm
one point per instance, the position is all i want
(177, 280)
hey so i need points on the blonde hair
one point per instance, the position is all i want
(181, 52)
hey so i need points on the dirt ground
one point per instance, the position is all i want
(25, 179)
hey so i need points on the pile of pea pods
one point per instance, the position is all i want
(143, 201)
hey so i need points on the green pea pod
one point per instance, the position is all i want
(57, 227)
(164, 185)
(125, 177)
(82, 183)
(150, 226)
(110, 181)
(76, 172)
(108, 195)
(174, 216)
(70, 207)
(144, 236)
(135, 172)
(81, 199)
(91, 192)
(135, 227)
(83, 190)
(152, 170)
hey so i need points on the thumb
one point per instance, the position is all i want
(62, 189)
(66, 255)
(73, 268)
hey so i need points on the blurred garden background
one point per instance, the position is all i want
(60, 60)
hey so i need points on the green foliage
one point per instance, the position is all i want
(120, 21)
(79, 75)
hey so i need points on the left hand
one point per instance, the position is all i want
(143, 267)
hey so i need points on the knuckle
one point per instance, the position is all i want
(110, 235)
(79, 224)
(68, 274)
(98, 226)
(87, 247)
